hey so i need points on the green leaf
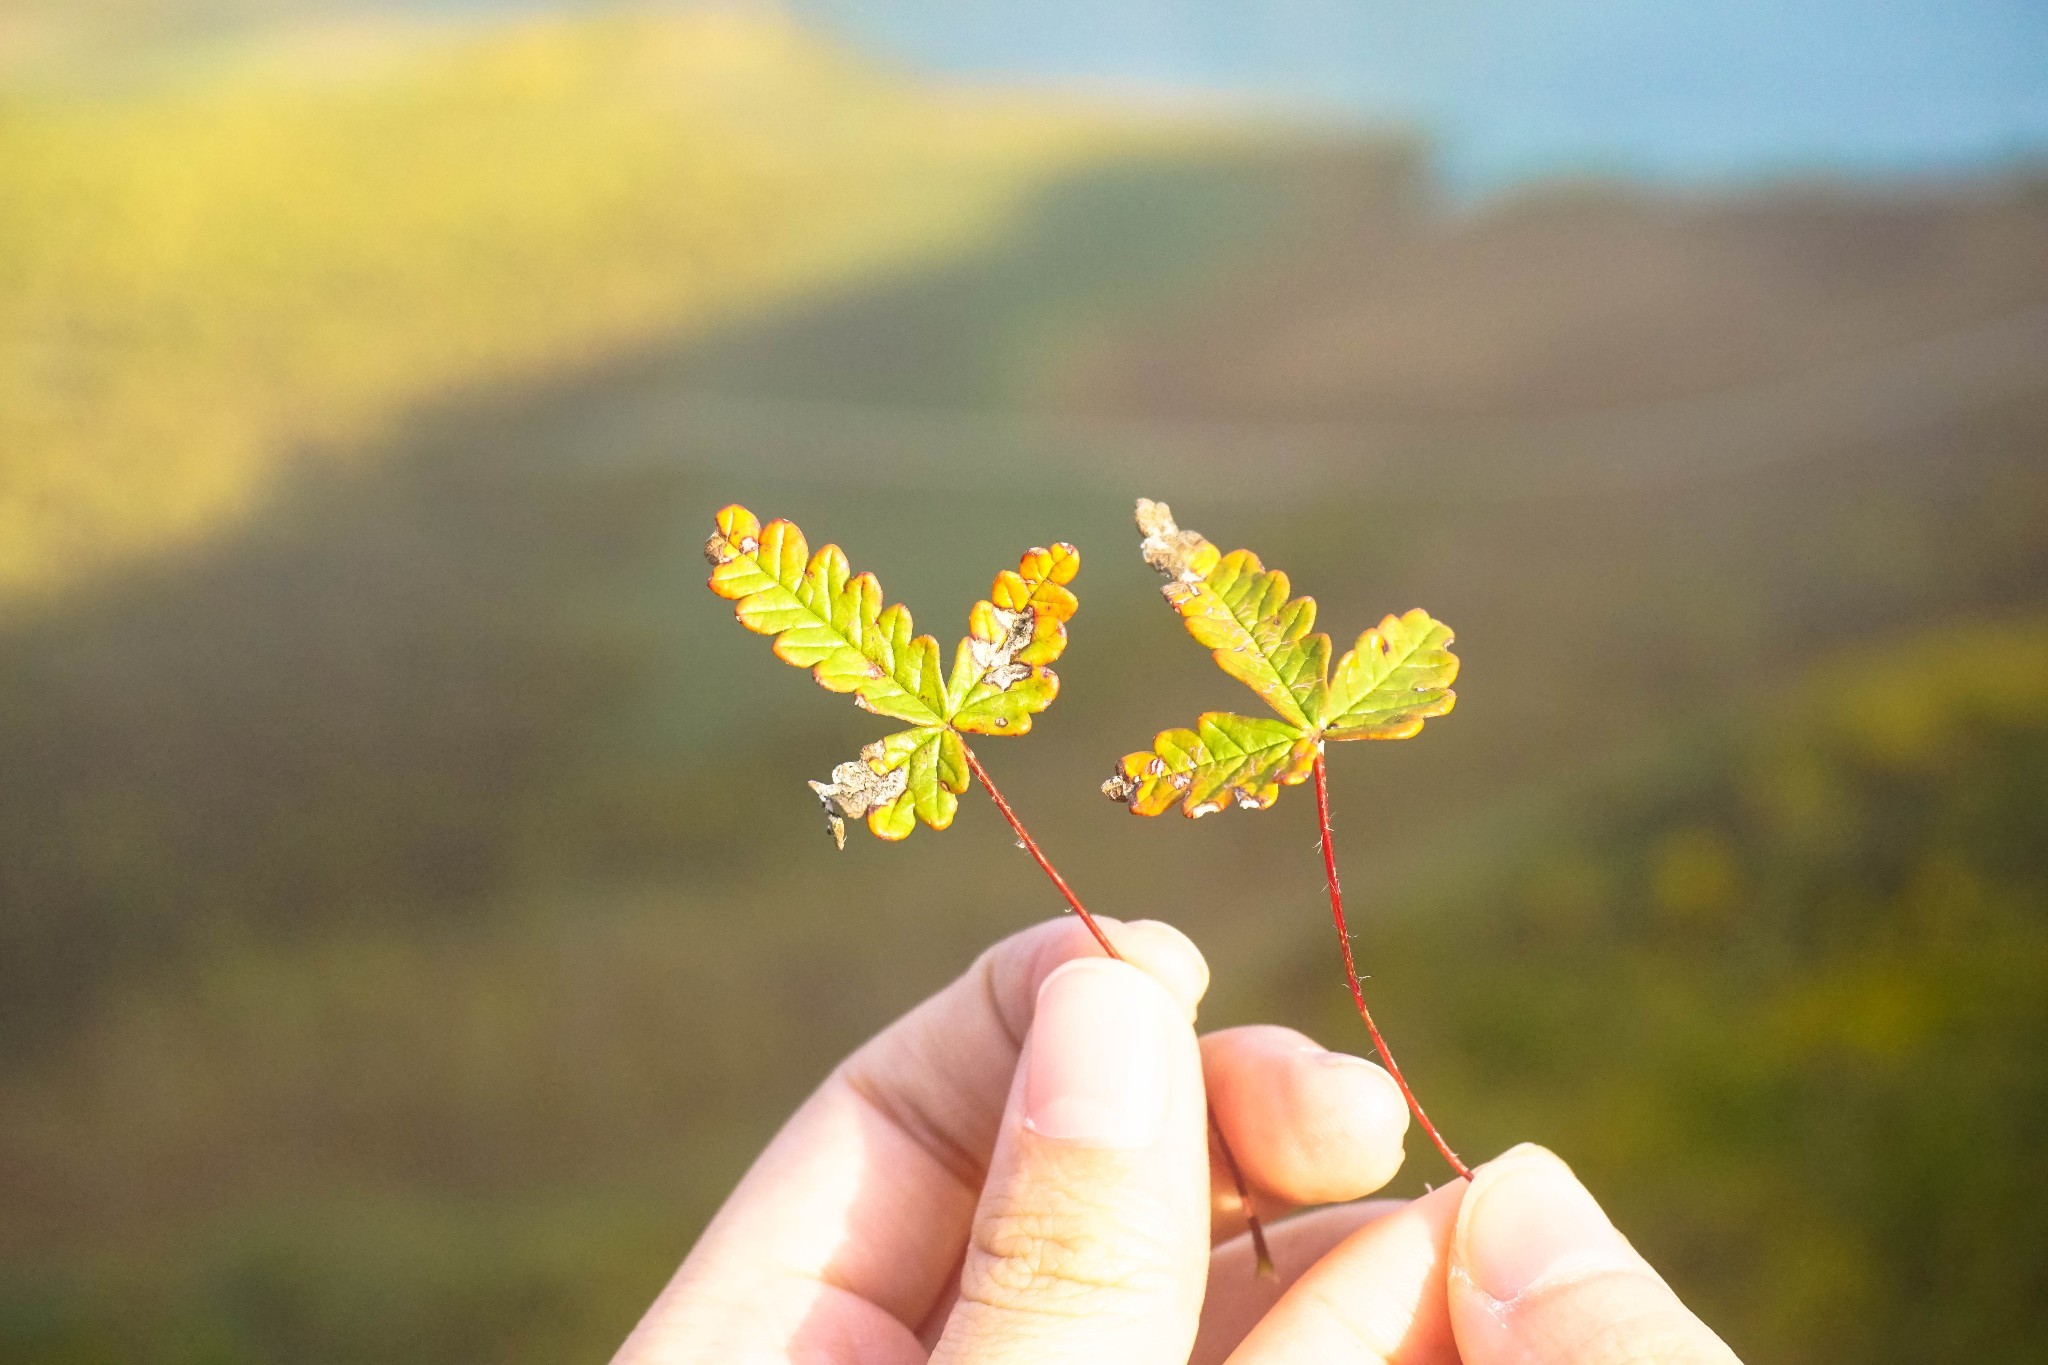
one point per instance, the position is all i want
(1241, 611)
(999, 675)
(1399, 675)
(1225, 758)
(828, 619)
(825, 618)
(934, 764)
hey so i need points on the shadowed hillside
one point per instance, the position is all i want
(1780, 993)
(1583, 298)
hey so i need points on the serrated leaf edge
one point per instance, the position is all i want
(1012, 636)
(1189, 560)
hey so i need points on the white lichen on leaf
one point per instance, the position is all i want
(720, 549)
(824, 617)
(1120, 788)
(1397, 676)
(854, 790)
(997, 659)
(1167, 548)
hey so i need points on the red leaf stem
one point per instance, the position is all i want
(1244, 1198)
(1351, 974)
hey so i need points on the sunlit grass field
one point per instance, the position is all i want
(216, 260)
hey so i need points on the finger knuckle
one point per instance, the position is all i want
(1628, 1318)
(1645, 1343)
(1058, 1256)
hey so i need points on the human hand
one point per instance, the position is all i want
(959, 1192)
(1519, 1266)
(909, 1210)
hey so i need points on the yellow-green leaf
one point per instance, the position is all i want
(1225, 758)
(1241, 611)
(1000, 679)
(1398, 676)
(825, 618)
(934, 764)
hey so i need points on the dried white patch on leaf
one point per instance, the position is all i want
(1166, 547)
(997, 659)
(1120, 788)
(856, 789)
(719, 551)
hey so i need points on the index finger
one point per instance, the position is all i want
(870, 1188)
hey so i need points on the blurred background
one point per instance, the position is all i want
(412, 913)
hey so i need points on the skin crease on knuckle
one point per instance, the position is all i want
(1064, 1256)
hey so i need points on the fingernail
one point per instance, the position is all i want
(1097, 1063)
(1181, 968)
(1346, 1060)
(1528, 1220)
(1390, 1097)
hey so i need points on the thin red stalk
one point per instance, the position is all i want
(1244, 1197)
(1038, 856)
(1351, 974)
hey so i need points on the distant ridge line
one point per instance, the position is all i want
(1667, 443)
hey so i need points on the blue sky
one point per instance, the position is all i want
(1678, 90)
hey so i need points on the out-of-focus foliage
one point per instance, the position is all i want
(207, 267)
(1396, 677)
(828, 619)
(1783, 996)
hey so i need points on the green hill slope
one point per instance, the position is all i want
(212, 264)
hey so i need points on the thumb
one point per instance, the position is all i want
(1091, 1240)
(1540, 1277)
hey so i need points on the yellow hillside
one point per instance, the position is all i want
(208, 266)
